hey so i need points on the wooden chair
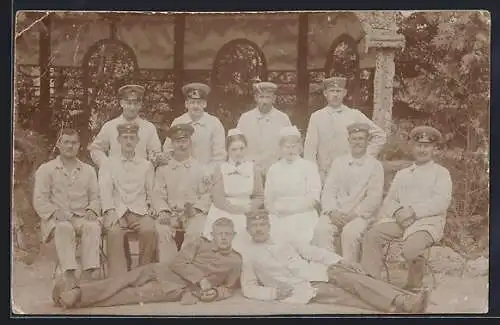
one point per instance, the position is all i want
(399, 243)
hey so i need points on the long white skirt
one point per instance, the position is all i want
(294, 228)
(241, 238)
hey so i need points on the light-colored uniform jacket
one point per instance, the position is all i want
(262, 134)
(327, 136)
(106, 142)
(265, 265)
(427, 190)
(55, 189)
(208, 139)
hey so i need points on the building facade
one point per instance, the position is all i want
(70, 64)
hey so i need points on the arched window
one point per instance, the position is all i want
(108, 65)
(343, 60)
(237, 65)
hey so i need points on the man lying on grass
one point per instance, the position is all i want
(202, 271)
(300, 273)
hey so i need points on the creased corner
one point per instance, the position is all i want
(30, 26)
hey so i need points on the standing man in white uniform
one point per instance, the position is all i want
(106, 142)
(209, 138)
(261, 127)
(327, 136)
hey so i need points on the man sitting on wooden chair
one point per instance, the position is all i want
(414, 210)
(126, 184)
(181, 194)
(66, 197)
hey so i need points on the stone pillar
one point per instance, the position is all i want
(383, 88)
(383, 37)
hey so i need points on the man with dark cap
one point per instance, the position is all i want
(202, 271)
(351, 195)
(106, 144)
(126, 184)
(261, 126)
(208, 140)
(301, 273)
(181, 194)
(414, 209)
(326, 137)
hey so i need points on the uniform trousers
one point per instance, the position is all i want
(414, 246)
(376, 293)
(148, 239)
(65, 238)
(149, 283)
(167, 247)
(350, 236)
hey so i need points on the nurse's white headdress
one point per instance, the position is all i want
(232, 132)
(289, 131)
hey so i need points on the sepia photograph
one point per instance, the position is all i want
(250, 163)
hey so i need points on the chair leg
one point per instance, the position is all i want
(386, 266)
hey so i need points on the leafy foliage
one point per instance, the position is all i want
(444, 73)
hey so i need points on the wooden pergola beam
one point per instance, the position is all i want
(179, 33)
(44, 113)
(302, 72)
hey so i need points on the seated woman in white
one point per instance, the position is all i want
(237, 189)
(292, 191)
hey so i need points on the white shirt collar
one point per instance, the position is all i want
(261, 115)
(136, 120)
(339, 109)
(357, 161)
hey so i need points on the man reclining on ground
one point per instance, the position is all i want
(202, 271)
(298, 273)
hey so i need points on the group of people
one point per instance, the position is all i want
(285, 219)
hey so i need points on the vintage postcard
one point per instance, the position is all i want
(259, 163)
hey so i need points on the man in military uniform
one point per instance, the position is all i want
(126, 184)
(327, 136)
(301, 273)
(261, 126)
(181, 193)
(202, 271)
(66, 198)
(351, 195)
(106, 142)
(414, 209)
(208, 140)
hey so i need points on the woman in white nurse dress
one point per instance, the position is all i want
(292, 191)
(238, 189)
